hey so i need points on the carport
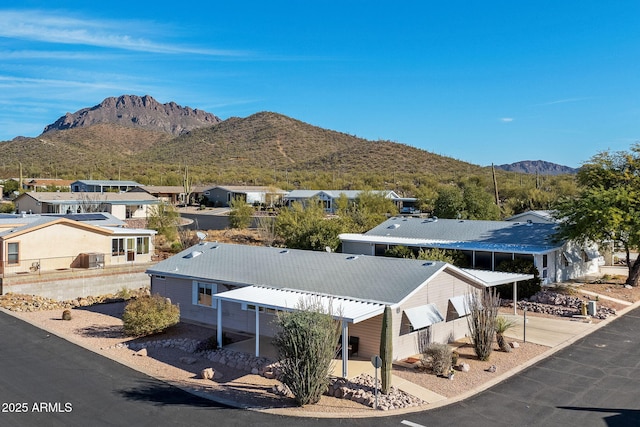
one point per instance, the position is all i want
(345, 310)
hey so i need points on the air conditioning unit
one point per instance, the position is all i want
(91, 260)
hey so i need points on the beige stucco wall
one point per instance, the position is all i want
(58, 246)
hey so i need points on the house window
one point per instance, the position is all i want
(205, 292)
(117, 247)
(252, 307)
(142, 245)
(13, 253)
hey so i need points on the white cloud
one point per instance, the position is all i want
(50, 27)
(506, 119)
(564, 101)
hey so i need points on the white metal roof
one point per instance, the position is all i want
(351, 310)
(423, 316)
(495, 278)
(460, 305)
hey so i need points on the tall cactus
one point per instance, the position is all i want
(386, 350)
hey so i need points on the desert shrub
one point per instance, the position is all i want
(503, 325)
(306, 343)
(149, 315)
(483, 310)
(439, 357)
(66, 315)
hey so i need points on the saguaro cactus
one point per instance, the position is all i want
(386, 350)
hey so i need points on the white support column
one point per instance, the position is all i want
(219, 324)
(493, 261)
(345, 348)
(515, 298)
(257, 331)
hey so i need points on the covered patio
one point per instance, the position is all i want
(260, 298)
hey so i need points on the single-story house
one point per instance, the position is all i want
(328, 198)
(221, 196)
(483, 243)
(543, 216)
(121, 205)
(70, 256)
(46, 184)
(240, 288)
(172, 194)
(102, 186)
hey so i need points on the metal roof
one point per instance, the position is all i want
(496, 236)
(91, 197)
(423, 316)
(348, 309)
(367, 278)
(108, 183)
(350, 194)
(460, 305)
(496, 278)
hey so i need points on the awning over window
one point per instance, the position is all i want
(423, 316)
(460, 305)
(592, 253)
(572, 257)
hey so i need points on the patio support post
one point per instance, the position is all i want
(515, 298)
(345, 348)
(257, 331)
(219, 324)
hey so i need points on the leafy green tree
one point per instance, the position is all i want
(478, 204)
(306, 344)
(449, 203)
(607, 207)
(399, 251)
(307, 227)
(240, 214)
(165, 219)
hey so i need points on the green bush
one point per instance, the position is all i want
(439, 357)
(149, 315)
(526, 288)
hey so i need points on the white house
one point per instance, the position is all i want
(483, 243)
(121, 205)
(328, 198)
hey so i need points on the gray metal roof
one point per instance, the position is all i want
(467, 234)
(350, 194)
(90, 197)
(108, 183)
(384, 280)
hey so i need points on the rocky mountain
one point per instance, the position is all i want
(538, 166)
(137, 112)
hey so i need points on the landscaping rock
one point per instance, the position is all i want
(464, 367)
(142, 352)
(207, 374)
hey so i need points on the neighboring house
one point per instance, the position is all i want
(221, 196)
(36, 248)
(328, 198)
(46, 184)
(102, 186)
(121, 205)
(172, 194)
(240, 288)
(545, 217)
(483, 243)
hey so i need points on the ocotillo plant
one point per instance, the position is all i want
(386, 350)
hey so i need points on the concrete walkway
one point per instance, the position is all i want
(546, 331)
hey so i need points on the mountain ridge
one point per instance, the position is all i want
(138, 112)
(541, 167)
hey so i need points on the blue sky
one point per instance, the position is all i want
(481, 81)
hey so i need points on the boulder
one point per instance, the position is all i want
(207, 374)
(464, 367)
(142, 352)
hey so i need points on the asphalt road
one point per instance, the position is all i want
(594, 382)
